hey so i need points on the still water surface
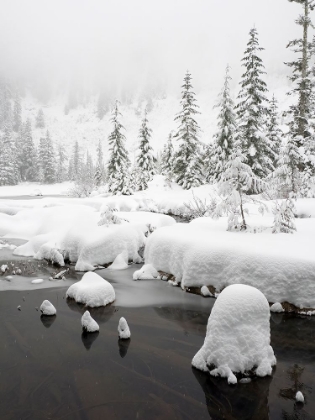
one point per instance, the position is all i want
(50, 370)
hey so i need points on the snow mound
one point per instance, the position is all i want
(119, 262)
(205, 291)
(299, 397)
(88, 323)
(204, 253)
(37, 281)
(123, 329)
(47, 308)
(276, 307)
(147, 272)
(92, 290)
(238, 335)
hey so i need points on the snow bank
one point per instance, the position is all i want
(92, 290)
(47, 308)
(204, 253)
(123, 329)
(238, 335)
(88, 323)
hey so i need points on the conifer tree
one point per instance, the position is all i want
(8, 166)
(225, 137)
(61, 174)
(99, 175)
(145, 159)
(47, 160)
(167, 158)
(40, 119)
(5, 104)
(187, 164)
(274, 133)
(26, 153)
(75, 163)
(252, 110)
(17, 113)
(118, 173)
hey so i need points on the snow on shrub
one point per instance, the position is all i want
(92, 290)
(238, 335)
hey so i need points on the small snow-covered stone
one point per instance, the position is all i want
(37, 281)
(18, 271)
(299, 397)
(47, 308)
(120, 262)
(88, 323)
(92, 290)
(238, 334)
(8, 278)
(147, 272)
(18, 307)
(205, 291)
(276, 307)
(4, 268)
(123, 329)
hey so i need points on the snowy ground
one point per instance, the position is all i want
(200, 253)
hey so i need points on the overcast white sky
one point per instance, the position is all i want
(112, 40)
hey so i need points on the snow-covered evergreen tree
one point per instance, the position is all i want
(252, 110)
(99, 176)
(225, 136)
(47, 160)
(118, 164)
(187, 160)
(5, 104)
(75, 163)
(236, 181)
(145, 159)
(40, 119)
(26, 153)
(167, 159)
(8, 165)
(17, 113)
(284, 217)
(61, 174)
(274, 133)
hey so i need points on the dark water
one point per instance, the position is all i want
(50, 370)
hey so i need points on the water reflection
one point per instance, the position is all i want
(47, 321)
(101, 314)
(123, 347)
(89, 338)
(241, 402)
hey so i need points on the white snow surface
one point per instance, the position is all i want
(238, 335)
(146, 272)
(123, 329)
(202, 252)
(92, 290)
(47, 308)
(88, 323)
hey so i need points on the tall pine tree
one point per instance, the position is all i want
(274, 133)
(118, 173)
(225, 137)
(145, 159)
(252, 111)
(187, 164)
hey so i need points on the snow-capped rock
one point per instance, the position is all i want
(205, 291)
(299, 397)
(92, 290)
(238, 335)
(147, 272)
(123, 329)
(276, 307)
(88, 323)
(119, 262)
(4, 268)
(47, 308)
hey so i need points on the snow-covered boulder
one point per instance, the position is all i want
(47, 308)
(146, 272)
(92, 290)
(299, 397)
(205, 291)
(88, 323)
(123, 329)
(276, 307)
(238, 335)
(119, 263)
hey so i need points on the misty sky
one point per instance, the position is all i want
(109, 41)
